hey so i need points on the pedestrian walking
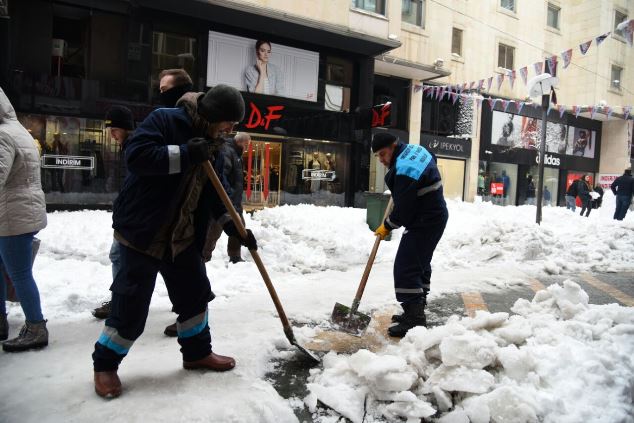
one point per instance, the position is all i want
(584, 190)
(419, 206)
(623, 189)
(232, 170)
(161, 219)
(22, 215)
(530, 191)
(120, 122)
(571, 195)
(547, 196)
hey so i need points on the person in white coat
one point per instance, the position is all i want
(22, 215)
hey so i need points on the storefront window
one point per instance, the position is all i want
(501, 181)
(550, 186)
(314, 172)
(452, 174)
(94, 176)
(261, 168)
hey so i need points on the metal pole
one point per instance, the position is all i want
(542, 154)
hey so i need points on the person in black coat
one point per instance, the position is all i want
(232, 170)
(584, 189)
(160, 220)
(419, 206)
(623, 189)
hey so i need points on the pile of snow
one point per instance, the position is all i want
(557, 359)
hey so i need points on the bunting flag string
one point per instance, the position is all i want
(566, 57)
(489, 82)
(524, 74)
(500, 79)
(552, 64)
(439, 92)
(601, 38)
(583, 47)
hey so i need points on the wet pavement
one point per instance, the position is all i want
(290, 376)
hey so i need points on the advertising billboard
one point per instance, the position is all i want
(260, 66)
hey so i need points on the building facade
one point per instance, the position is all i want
(63, 63)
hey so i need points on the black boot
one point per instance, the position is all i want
(171, 330)
(102, 312)
(414, 315)
(397, 318)
(4, 327)
(33, 335)
(236, 259)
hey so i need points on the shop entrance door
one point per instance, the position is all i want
(261, 168)
(452, 174)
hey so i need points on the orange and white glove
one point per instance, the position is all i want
(382, 232)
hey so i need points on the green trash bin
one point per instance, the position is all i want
(376, 203)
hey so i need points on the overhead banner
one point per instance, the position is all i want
(443, 146)
(263, 67)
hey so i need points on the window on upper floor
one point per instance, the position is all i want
(508, 4)
(506, 55)
(618, 18)
(552, 16)
(456, 41)
(615, 77)
(374, 6)
(413, 12)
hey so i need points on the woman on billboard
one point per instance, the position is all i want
(264, 77)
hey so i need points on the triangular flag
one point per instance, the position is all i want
(583, 47)
(520, 105)
(562, 110)
(505, 104)
(524, 74)
(438, 92)
(454, 97)
(479, 101)
(601, 38)
(626, 111)
(609, 111)
(500, 80)
(490, 100)
(417, 88)
(552, 64)
(576, 110)
(489, 82)
(626, 28)
(480, 84)
(566, 57)
(511, 75)
(593, 110)
(426, 90)
(538, 66)
(464, 87)
(471, 84)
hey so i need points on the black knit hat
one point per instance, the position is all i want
(382, 140)
(119, 117)
(221, 103)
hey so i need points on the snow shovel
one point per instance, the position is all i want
(348, 319)
(288, 331)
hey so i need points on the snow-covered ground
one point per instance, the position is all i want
(555, 359)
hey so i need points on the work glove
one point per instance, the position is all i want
(250, 242)
(198, 150)
(382, 232)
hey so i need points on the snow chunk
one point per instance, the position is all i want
(462, 379)
(469, 349)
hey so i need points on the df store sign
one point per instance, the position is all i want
(68, 162)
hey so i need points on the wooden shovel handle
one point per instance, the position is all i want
(215, 181)
(368, 266)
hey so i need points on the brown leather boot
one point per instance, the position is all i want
(218, 363)
(107, 384)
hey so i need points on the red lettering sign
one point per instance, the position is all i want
(497, 188)
(380, 116)
(257, 120)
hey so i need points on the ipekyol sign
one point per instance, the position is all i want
(68, 162)
(443, 146)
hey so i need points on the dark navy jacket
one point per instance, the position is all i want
(156, 157)
(623, 185)
(416, 188)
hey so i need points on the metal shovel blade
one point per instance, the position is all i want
(353, 323)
